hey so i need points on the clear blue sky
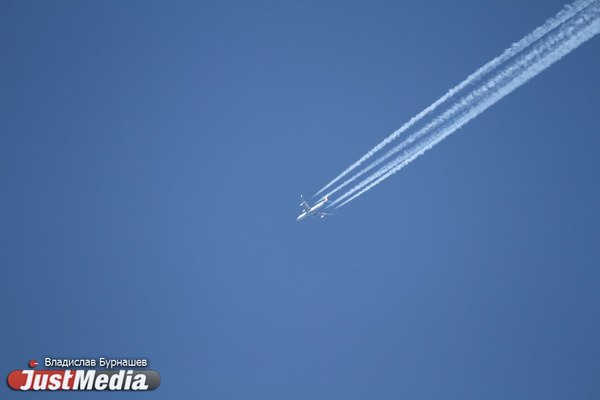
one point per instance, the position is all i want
(152, 158)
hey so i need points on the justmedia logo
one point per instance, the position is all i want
(85, 379)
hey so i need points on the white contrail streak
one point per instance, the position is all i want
(461, 106)
(568, 12)
(568, 38)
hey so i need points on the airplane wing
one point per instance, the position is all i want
(304, 204)
(324, 214)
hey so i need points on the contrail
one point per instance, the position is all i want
(542, 62)
(567, 12)
(461, 106)
(566, 39)
(458, 107)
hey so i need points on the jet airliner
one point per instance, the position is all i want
(307, 210)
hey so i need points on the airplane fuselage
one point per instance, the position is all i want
(313, 210)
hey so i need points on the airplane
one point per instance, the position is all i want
(314, 210)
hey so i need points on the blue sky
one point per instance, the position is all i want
(153, 155)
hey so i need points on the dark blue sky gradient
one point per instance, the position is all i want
(152, 158)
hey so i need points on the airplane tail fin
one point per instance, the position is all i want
(304, 204)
